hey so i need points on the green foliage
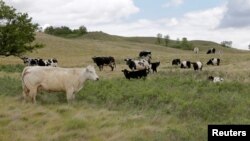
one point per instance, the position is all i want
(65, 31)
(167, 40)
(17, 32)
(159, 38)
(183, 44)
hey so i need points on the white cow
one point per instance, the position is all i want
(55, 79)
(196, 50)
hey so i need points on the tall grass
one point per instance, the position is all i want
(189, 103)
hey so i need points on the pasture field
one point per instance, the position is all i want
(171, 105)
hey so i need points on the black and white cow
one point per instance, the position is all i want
(105, 61)
(138, 64)
(211, 51)
(135, 74)
(176, 62)
(215, 79)
(197, 65)
(39, 62)
(154, 66)
(185, 64)
(145, 53)
(214, 61)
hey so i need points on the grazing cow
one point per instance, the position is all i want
(211, 51)
(138, 64)
(145, 53)
(176, 62)
(214, 61)
(215, 79)
(104, 61)
(196, 50)
(39, 62)
(135, 74)
(185, 64)
(197, 65)
(55, 79)
(154, 66)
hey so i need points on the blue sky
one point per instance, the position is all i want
(213, 20)
(152, 9)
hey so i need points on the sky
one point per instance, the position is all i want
(212, 20)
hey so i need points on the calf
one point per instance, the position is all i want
(211, 51)
(214, 61)
(197, 65)
(185, 64)
(69, 80)
(176, 62)
(138, 64)
(154, 66)
(104, 61)
(215, 79)
(135, 74)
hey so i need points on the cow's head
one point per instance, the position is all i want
(91, 74)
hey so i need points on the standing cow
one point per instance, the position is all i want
(196, 50)
(197, 65)
(211, 51)
(145, 53)
(55, 79)
(214, 61)
(138, 64)
(176, 62)
(185, 64)
(104, 61)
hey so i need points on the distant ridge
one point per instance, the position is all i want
(99, 35)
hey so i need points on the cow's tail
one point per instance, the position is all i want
(25, 88)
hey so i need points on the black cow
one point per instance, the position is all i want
(145, 53)
(211, 51)
(176, 62)
(214, 61)
(104, 61)
(185, 64)
(135, 74)
(154, 66)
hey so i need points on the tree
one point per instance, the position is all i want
(82, 30)
(183, 44)
(17, 32)
(227, 43)
(166, 39)
(159, 37)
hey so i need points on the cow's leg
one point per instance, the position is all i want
(25, 93)
(70, 95)
(112, 67)
(33, 93)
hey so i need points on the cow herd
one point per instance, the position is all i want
(36, 76)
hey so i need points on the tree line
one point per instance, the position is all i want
(66, 31)
(180, 44)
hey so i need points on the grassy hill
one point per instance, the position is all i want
(174, 104)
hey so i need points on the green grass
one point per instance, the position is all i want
(188, 102)
(12, 68)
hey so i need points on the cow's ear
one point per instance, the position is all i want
(89, 68)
